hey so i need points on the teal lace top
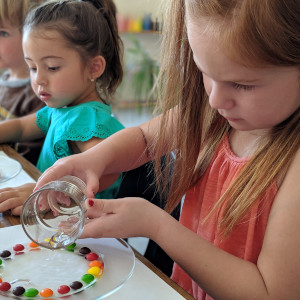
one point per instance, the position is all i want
(75, 123)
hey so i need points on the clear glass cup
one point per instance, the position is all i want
(54, 216)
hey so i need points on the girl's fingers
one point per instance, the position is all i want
(17, 210)
(97, 207)
(92, 184)
(47, 176)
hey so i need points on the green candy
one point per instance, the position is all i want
(87, 278)
(71, 247)
(31, 292)
(0, 262)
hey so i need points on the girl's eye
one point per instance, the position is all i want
(243, 86)
(32, 69)
(3, 33)
(53, 68)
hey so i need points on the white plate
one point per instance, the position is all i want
(52, 268)
(9, 168)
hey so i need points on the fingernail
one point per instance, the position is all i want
(91, 203)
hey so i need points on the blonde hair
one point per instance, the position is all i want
(257, 32)
(14, 12)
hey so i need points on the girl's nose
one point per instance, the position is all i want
(40, 79)
(220, 96)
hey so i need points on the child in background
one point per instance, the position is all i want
(73, 52)
(231, 113)
(17, 98)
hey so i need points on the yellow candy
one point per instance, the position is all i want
(47, 240)
(94, 271)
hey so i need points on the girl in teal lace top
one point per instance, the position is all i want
(73, 51)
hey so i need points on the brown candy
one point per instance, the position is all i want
(76, 285)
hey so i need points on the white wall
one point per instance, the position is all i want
(137, 8)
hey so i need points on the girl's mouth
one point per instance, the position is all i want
(44, 96)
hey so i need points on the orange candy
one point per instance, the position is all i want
(0, 280)
(33, 245)
(46, 293)
(95, 263)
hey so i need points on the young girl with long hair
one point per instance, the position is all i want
(230, 98)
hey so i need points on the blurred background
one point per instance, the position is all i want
(140, 25)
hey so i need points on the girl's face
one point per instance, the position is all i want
(249, 98)
(58, 76)
(11, 53)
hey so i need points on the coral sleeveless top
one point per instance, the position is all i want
(247, 237)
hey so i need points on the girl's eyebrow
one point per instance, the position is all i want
(44, 58)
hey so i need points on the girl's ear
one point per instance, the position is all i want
(97, 66)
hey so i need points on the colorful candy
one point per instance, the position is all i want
(5, 286)
(71, 247)
(31, 292)
(95, 263)
(33, 245)
(95, 270)
(92, 256)
(87, 278)
(76, 285)
(5, 254)
(46, 293)
(63, 289)
(19, 247)
(18, 291)
(84, 250)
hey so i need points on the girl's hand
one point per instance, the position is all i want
(122, 218)
(14, 198)
(76, 165)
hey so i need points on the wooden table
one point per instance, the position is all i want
(7, 220)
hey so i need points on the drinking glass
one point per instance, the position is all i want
(54, 215)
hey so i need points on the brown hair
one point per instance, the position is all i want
(89, 27)
(257, 32)
(14, 12)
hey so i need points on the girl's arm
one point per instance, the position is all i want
(122, 151)
(20, 129)
(222, 275)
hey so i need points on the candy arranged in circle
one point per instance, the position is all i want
(46, 293)
(5, 254)
(19, 247)
(92, 256)
(63, 289)
(5, 286)
(15, 281)
(76, 285)
(31, 292)
(84, 250)
(18, 291)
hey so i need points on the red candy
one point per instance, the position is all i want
(63, 289)
(4, 286)
(19, 247)
(91, 256)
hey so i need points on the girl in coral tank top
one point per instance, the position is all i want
(230, 98)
